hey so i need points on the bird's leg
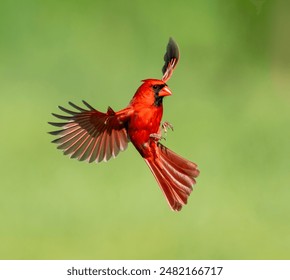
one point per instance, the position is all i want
(158, 136)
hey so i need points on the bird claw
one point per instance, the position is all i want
(166, 125)
(157, 136)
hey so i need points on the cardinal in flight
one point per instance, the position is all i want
(88, 134)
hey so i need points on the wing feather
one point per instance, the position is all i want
(171, 59)
(91, 135)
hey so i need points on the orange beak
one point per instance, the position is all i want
(165, 91)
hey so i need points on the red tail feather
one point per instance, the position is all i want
(175, 176)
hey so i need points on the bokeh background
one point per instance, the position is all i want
(230, 110)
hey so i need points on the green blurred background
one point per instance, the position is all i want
(230, 111)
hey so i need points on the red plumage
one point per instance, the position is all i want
(88, 134)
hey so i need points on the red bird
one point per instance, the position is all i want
(91, 135)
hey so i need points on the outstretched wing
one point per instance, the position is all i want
(171, 58)
(91, 135)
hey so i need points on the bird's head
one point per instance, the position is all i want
(151, 92)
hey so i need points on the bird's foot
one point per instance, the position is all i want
(157, 136)
(166, 125)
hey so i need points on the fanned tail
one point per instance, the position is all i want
(174, 174)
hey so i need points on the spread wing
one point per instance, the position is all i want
(171, 58)
(88, 134)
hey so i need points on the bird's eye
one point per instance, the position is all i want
(155, 87)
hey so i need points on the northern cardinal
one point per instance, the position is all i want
(88, 134)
